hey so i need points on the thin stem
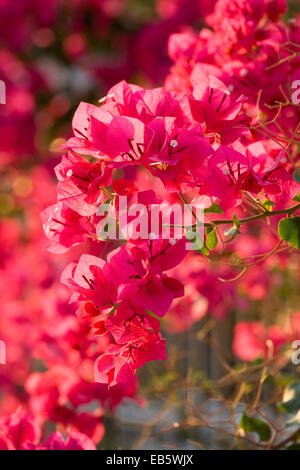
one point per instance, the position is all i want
(288, 211)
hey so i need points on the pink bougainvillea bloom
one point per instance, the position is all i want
(112, 369)
(252, 341)
(18, 429)
(74, 441)
(213, 107)
(270, 175)
(65, 228)
(229, 169)
(80, 184)
(90, 279)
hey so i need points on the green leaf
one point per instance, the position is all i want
(213, 209)
(289, 230)
(236, 221)
(204, 251)
(270, 379)
(297, 197)
(268, 204)
(292, 402)
(211, 238)
(256, 362)
(293, 447)
(296, 176)
(250, 424)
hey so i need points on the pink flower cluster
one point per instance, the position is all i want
(196, 139)
(120, 293)
(251, 50)
(21, 431)
(192, 138)
(50, 354)
(60, 51)
(253, 340)
(51, 54)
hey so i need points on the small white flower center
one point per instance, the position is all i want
(69, 173)
(174, 143)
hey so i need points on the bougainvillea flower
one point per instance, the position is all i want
(20, 431)
(212, 106)
(270, 175)
(74, 441)
(229, 170)
(65, 228)
(91, 279)
(80, 184)
(252, 341)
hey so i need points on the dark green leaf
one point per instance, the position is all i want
(296, 176)
(293, 447)
(292, 405)
(289, 230)
(213, 209)
(250, 424)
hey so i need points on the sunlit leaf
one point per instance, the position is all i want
(289, 230)
(213, 209)
(211, 238)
